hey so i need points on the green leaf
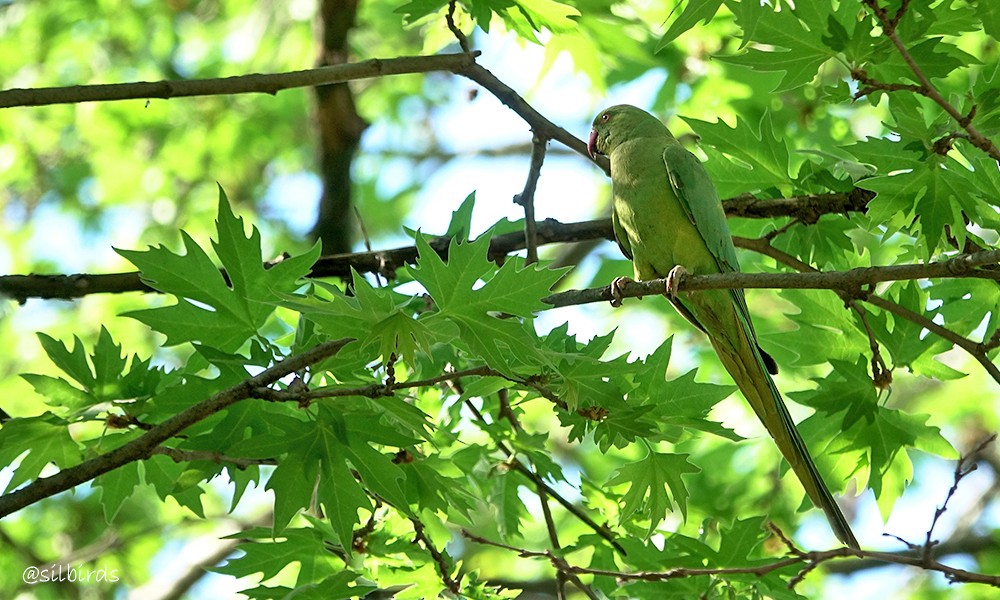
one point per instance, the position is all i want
(293, 486)
(592, 382)
(683, 402)
(938, 192)
(216, 310)
(648, 482)
(526, 17)
(304, 546)
(934, 57)
(738, 542)
(507, 504)
(329, 443)
(414, 10)
(377, 317)
(889, 436)
(338, 587)
(965, 303)
(848, 389)
(826, 242)
(378, 472)
(59, 392)
(557, 17)
(826, 331)
(989, 14)
(472, 294)
(694, 11)
(428, 487)
(481, 11)
(789, 41)
(101, 375)
(460, 226)
(39, 441)
(170, 480)
(758, 147)
(904, 339)
(874, 436)
(734, 177)
(72, 363)
(748, 15)
(341, 497)
(116, 487)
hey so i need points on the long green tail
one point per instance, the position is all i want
(743, 361)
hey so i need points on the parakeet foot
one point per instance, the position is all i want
(674, 278)
(616, 290)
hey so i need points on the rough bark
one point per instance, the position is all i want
(339, 130)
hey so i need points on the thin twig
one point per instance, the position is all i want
(367, 240)
(550, 528)
(770, 235)
(973, 348)
(963, 467)
(540, 125)
(976, 350)
(450, 19)
(269, 83)
(806, 561)
(143, 446)
(515, 464)
(881, 374)
(926, 88)
(444, 569)
(370, 391)
(22, 287)
(181, 456)
(991, 343)
(506, 412)
(527, 197)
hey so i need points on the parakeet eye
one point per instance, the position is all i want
(605, 117)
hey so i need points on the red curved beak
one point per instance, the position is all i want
(592, 144)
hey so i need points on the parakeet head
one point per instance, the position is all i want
(614, 125)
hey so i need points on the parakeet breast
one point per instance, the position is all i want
(660, 233)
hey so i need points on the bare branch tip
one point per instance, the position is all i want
(463, 41)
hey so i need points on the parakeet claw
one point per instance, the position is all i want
(616, 290)
(674, 278)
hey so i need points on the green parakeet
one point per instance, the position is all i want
(668, 220)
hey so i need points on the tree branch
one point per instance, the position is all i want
(181, 456)
(527, 197)
(965, 465)
(338, 128)
(926, 88)
(807, 208)
(386, 262)
(964, 265)
(543, 499)
(515, 464)
(970, 545)
(807, 561)
(974, 349)
(539, 124)
(977, 350)
(257, 83)
(143, 446)
(463, 41)
(444, 569)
